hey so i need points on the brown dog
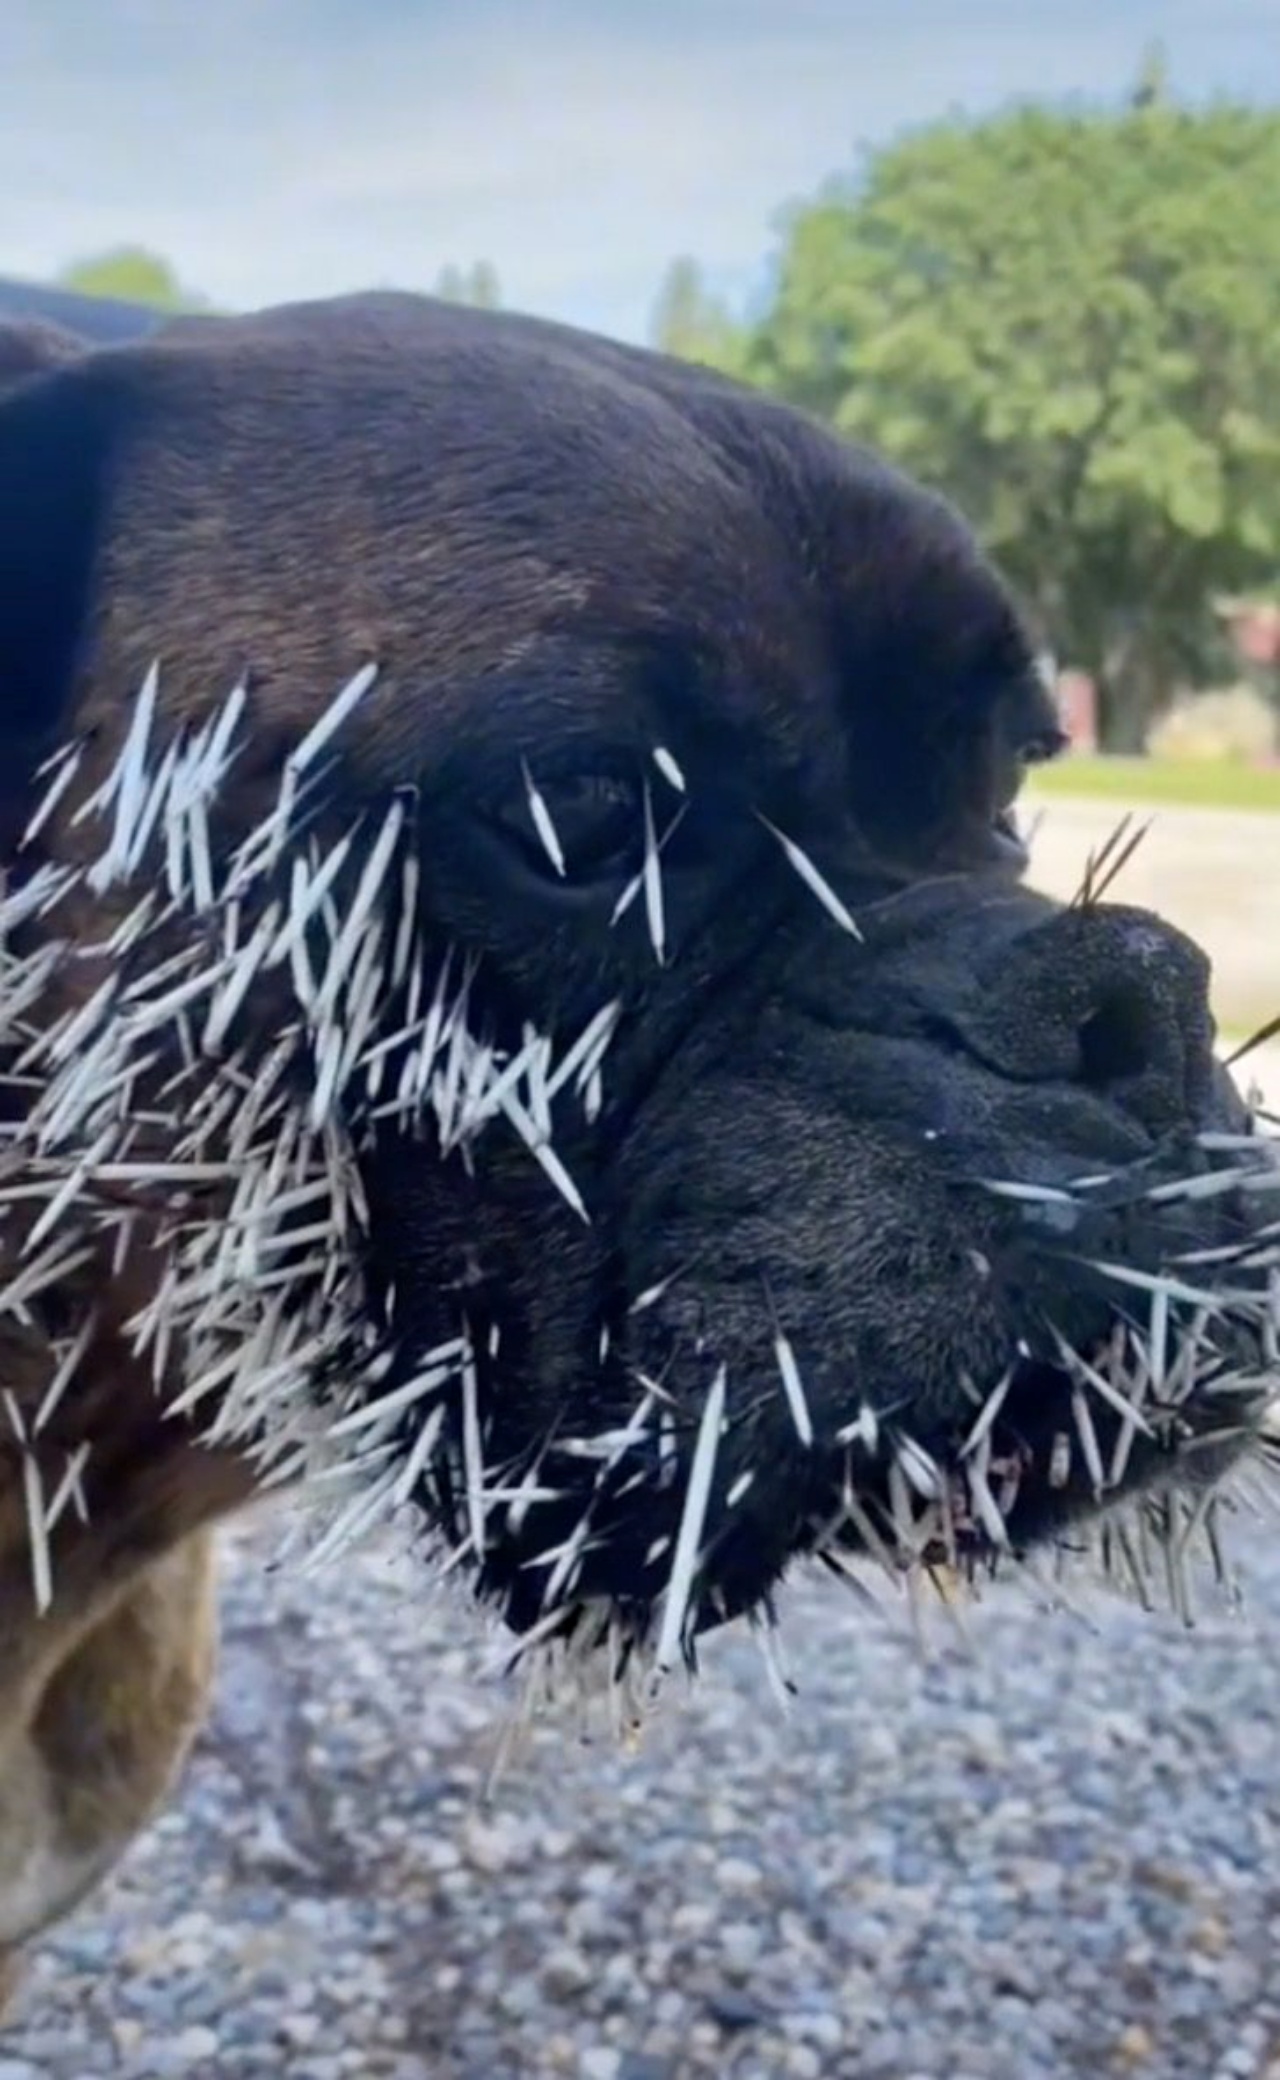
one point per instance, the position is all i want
(601, 1085)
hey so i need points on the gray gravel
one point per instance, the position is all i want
(1056, 1856)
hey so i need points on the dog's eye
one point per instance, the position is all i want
(574, 826)
(1038, 750)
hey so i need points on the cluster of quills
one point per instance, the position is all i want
(255, 1013)
(159, 1090)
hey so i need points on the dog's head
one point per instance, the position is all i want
(548, 1007)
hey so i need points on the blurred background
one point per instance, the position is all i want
(1031, 253)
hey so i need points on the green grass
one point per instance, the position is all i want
(1193, 784)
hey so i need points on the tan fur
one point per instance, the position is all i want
(90, 1746)
(101, 1694)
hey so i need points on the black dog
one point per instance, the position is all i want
(521, 999)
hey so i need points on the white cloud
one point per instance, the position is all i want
(307, 146)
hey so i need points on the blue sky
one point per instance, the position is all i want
(278, 148)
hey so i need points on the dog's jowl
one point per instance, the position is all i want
(520, 1014)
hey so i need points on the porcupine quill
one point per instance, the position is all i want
(263, 1299)
(157, 1095)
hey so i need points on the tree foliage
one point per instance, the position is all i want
(692, 323)
(476, 285)
(1070, 322)
(135, 276)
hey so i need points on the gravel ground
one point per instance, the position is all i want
(1054, 1853)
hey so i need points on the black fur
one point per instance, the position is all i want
(573, 554)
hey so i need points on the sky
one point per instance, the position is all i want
(272, 149)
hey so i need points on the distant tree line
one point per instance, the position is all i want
(133, 275)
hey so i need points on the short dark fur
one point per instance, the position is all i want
(566, 552)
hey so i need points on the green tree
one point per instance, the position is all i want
(1070, 322)
(476, 285)
(692, 323)
(135, 276)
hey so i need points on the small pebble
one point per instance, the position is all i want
(600, 2063)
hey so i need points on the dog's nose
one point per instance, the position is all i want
(1147, 997)
(1106, 997)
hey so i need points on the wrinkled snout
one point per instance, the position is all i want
(891, 1203)
(893, 1199)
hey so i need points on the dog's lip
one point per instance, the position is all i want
(1037, 1444)
(1030, 1419)
(1036, 1397)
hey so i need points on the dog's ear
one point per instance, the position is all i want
(56, 442)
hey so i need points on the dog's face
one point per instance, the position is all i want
(716, 1153)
